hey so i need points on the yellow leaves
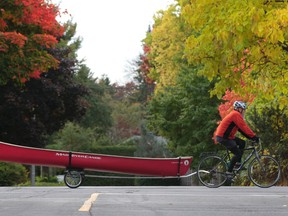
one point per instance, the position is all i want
(275, 34)
(167, 45)
(283, 101)
(273, 26)
(224, 33)
(214, 35)
(282, 17)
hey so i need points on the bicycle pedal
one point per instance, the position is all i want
(231, 180)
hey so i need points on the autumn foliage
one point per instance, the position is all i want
(27, 29)
(244, 68)
(145, 67)
(42, 14)
(229, 98)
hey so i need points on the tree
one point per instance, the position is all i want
(73, 137)
(27, 29)
(241, 44)
(165, 44)
(271, 124)
(98, 114)
(181, 109)
(41, 106)
(127, 114)
(185, 115)
(145, 86)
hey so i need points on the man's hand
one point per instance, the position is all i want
(256, 139)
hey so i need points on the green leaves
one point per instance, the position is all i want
(185, 114)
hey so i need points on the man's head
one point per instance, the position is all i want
(240, 106)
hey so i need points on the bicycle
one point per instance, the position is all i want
(263, 170)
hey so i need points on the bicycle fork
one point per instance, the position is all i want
(259, 161)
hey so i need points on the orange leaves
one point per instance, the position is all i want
(35, 75)
(145, 66)
(45, 40)
(243, 67)
(7, 38)
(27, 29)
(230, 97)
(14, 38)
(42, 14)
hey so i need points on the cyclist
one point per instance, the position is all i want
(225, 133)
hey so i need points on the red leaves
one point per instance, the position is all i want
(26, 27)
(146, 49)
(243, 67)
(39, 13)
(3, 25)
(230, 97)
(36, 74)
(45, 40)
(14, 38)
(145, 66)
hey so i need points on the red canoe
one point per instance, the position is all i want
(98, 162)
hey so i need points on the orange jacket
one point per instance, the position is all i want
(232, 123)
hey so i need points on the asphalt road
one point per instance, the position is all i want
(143, 201)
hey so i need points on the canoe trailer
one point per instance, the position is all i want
(76, 163)
(74, 178)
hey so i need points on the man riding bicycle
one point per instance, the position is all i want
(225, 133)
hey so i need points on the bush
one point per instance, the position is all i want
(52, 179)
(12, 174)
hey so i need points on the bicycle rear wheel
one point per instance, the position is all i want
(264, 172)
(212, 171)
(73, 179)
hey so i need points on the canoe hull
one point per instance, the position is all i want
(98, 162)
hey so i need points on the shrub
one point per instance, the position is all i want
(12, 174)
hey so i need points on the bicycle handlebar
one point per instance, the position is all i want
(255, 144)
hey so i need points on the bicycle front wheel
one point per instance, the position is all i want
(212, 171)
(264, 171)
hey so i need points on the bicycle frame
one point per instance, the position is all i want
(254, 152)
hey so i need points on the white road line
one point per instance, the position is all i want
(88, 203)
(197, 195)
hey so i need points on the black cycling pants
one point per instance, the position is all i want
(236, 146)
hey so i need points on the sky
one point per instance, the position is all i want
(112, 32)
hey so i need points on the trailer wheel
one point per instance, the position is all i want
(73, 179)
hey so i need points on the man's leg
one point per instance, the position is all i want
(241, 145)
(231, 145)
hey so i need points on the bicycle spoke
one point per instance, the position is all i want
(264, 172)
(211, 171)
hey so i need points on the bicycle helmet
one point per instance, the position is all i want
(239, 104)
